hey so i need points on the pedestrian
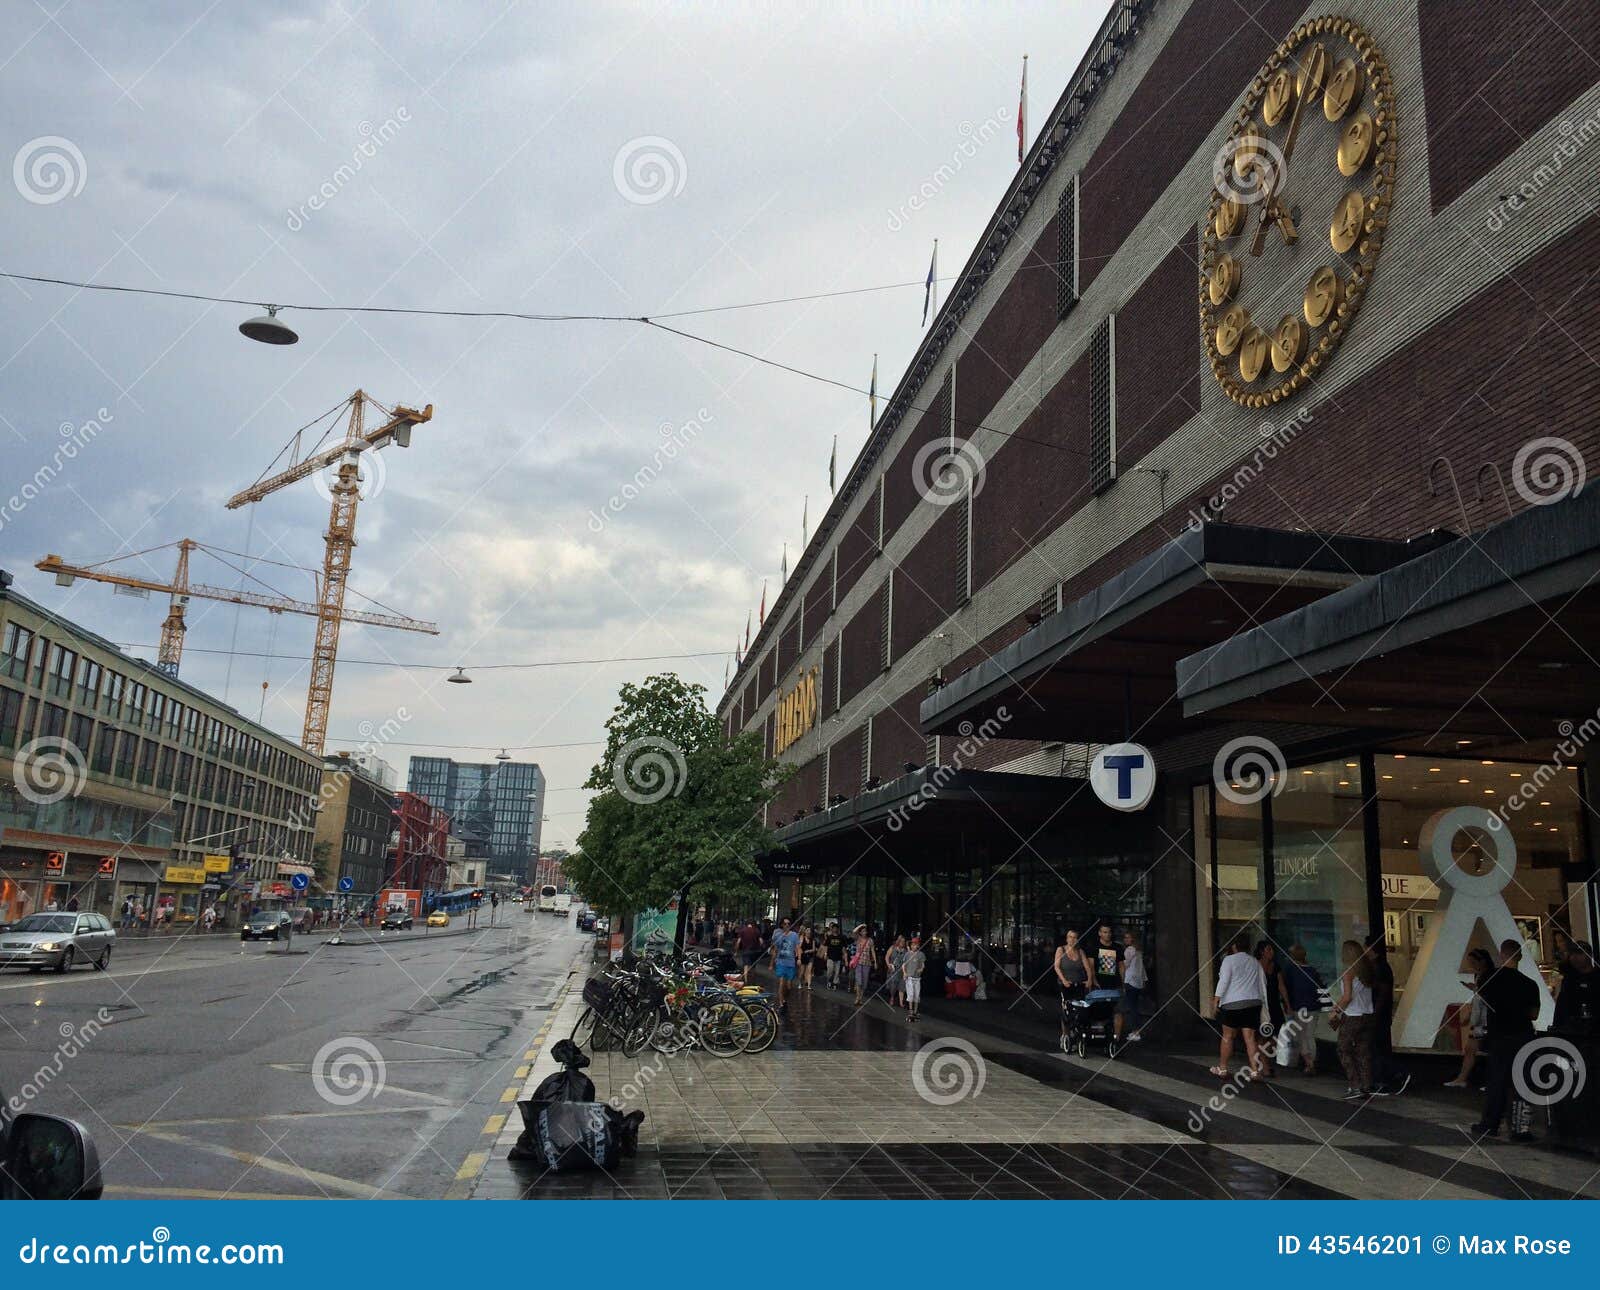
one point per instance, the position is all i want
(808, 955)
(208, 920)
(1578, 1003)
(819, 955)
(1272, 1023)
(863, 959)
(1391, 1077)
(748, 947)
(1512, 1000)
(1301, 986)
(785, 961)
(127, 912)
(1107, 961)
(833, 945)
(72, 905)
(1238, 1000)
(1130, 1008)
(138, 913)
(895, 986)
(1353, 1018)
(911, 968)
(1072, 973)
(1472, 1019)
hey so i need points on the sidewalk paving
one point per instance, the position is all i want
(856, 1103)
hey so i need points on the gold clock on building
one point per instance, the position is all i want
(1300, 199)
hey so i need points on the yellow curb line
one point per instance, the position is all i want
(494, 1124)
(472, 1166)
(510, 1095)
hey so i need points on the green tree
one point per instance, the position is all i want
(678, 810)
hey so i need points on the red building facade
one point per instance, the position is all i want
(418, 854)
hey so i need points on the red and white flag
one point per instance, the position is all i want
(1022, 113)
(761, 618)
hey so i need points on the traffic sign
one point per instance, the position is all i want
(347, 883)
(299, 881)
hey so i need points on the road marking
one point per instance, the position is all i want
(522, 1072)
(531, 1055)
(472, 1166)
(495, 1123)
(198, 1193)
(510, 1095)
(290, 1115)
(35, 982)
(328, 1182)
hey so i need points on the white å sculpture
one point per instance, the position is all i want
(1465, 899)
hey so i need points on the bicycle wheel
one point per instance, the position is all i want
(637, 1029)
(763, 1026)
(583, 1033)
(674, 1031)
(726, 1028)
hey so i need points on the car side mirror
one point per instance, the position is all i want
(48, 1157)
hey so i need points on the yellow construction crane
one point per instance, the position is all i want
(180, 589)
(340, 539)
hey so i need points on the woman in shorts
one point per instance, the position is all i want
(1240, 996)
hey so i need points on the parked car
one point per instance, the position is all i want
(438, 919)
(397, 920)
(267, 925)
(586, 921)
(58, 941)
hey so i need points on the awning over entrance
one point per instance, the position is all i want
(1104, 666)
(1495, 633)
(921, 815)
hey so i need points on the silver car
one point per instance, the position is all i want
(58, 941)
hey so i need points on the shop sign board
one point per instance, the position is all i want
(184, 874)
(219, 864)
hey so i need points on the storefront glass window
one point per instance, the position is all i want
(1540, 812)
(1319, 896)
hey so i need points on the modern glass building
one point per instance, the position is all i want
(494, 807)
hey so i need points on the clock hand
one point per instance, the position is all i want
(1272, 209)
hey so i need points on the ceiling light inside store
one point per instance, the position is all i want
(1463, 781)
(1463, 743)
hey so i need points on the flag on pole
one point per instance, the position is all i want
(762, 620)
(930, 290)
(783, 569)
(724, 674)
(872, 399)
(1022, 113)
(747, 627)
(805, 521)
(833, 465)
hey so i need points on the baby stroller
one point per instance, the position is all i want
(1090, 1019)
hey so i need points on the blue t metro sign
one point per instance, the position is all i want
(1123, 776)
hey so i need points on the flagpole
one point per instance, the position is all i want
(1022, 114)
(935, 277)
(833, 462)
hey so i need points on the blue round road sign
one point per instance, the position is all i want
(299, 881)
(347, 883)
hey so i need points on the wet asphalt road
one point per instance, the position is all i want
(204, 1067)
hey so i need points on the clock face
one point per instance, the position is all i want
(1300, 199)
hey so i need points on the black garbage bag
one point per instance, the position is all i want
(576, 1135)
(569, 1084)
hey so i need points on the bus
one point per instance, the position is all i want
(547, 899)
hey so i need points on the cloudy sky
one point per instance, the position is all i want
(528, 157)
